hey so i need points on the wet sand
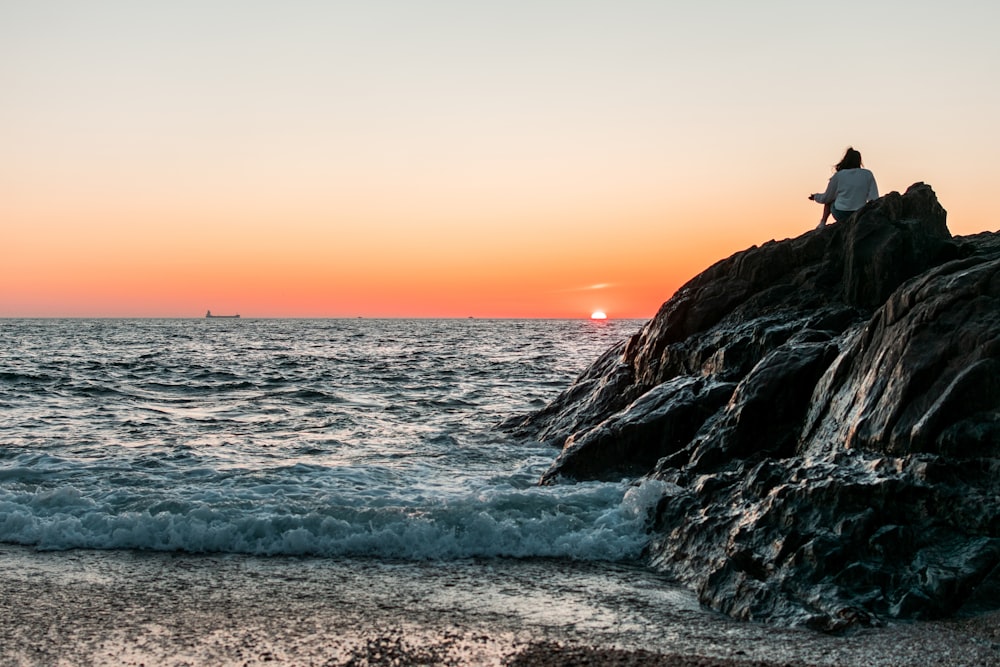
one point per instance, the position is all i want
(130, 608)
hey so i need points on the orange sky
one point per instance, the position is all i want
(440, 159)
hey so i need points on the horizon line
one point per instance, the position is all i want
(303, 317)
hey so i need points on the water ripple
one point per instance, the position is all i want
(296, 436)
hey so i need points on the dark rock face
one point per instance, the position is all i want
(923, 375)
(826, 410)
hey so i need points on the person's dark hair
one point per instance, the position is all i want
(852, 160)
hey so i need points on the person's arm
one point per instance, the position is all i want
(830, 194)
(872, 189)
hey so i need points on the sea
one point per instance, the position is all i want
(242, 491)
(328, 438)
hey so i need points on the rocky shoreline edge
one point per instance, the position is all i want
(825, 414)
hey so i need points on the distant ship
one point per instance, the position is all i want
(228, 317)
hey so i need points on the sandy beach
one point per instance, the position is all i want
(144, 608)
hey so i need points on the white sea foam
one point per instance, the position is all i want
(588, 521)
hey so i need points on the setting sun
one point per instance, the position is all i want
(598, 315)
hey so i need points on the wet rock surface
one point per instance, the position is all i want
(826, 412)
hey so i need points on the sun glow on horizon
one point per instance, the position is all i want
(489, 160)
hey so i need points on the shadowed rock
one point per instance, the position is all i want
(827, 410)
(923, 375)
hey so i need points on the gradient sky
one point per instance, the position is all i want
(447, 158)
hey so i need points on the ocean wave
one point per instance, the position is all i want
(590, 521)
(325, 438)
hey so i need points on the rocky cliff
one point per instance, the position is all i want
(825, 414)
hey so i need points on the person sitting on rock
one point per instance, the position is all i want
(851, 187)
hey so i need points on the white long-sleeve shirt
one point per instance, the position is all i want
(849, 189)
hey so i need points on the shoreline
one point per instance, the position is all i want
(151, 608)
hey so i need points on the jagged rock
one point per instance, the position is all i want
(766, 410)
(600, 390)
(826, 410)
(924, 374)
(630, 443)
(890, 240)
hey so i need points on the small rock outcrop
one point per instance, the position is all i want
(825, 414)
